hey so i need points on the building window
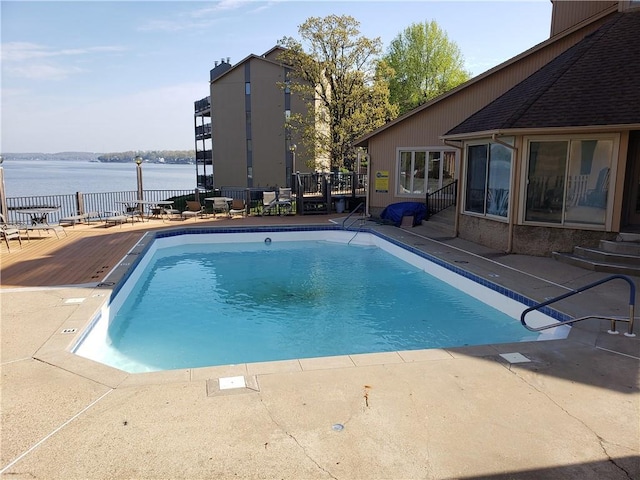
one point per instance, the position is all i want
(488, 179)
(424, 171)
(247, 88)
(568, 180)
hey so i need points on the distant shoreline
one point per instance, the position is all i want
(93, 157)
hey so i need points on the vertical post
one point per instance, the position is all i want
(3, 195)
(292, 149)
(139, 177)
(79, 203)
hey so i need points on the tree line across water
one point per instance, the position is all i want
(176, 157)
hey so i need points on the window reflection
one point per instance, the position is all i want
(568, 181)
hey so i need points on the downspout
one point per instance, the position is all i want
(456, 221)
(494, 138)
(368, 191)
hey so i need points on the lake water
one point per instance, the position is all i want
(23, 178)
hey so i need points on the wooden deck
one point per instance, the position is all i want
(88, 252)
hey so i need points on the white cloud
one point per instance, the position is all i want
(23, 51)
(203, 18)
(34, 61)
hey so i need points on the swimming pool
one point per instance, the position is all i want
(200, 299)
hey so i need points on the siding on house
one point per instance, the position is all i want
(566, 14)
(424, 126)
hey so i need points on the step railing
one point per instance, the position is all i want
(441, 199)
(613, 320)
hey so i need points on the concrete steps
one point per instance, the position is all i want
(621, 256)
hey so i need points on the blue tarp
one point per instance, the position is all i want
(396, 211)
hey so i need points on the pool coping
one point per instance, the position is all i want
(57, 349)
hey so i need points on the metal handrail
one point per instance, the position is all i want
(436, 201)
(613, 320)
(361, 204)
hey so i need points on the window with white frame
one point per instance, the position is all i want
(568, 179)
(488, 178)
(421, 171)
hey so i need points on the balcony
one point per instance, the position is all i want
(202, 106)
(204, 156)
(203, 131)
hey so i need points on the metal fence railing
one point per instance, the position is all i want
(328, 185)
(75, 203)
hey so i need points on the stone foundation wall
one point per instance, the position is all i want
(541, 241)
(528, 240)
(485, 232)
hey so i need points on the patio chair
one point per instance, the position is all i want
(170, 213)
(220, 205)
(194, 209)
(238, 207)
(269, 201)
(284, 201)
(10, 232)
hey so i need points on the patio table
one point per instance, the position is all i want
(39, 216)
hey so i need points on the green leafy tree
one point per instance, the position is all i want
(337, 78)
(425, 64)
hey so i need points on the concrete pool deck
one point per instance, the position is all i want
(571, 411)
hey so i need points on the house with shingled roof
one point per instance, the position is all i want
(544, 148)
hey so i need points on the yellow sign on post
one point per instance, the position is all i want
(382, 181)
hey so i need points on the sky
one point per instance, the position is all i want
(113, 76)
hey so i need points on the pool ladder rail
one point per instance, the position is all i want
(613, 320)
(361, 218)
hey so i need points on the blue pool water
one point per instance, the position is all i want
(215, 304)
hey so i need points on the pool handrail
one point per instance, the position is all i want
(613, 320)
(361, 204)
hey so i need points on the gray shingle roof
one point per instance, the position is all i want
(595, 82)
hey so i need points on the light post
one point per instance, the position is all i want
(292, 149)
(138, 161)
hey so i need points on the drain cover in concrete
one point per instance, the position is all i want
(226, 383)
(231, 385)
(514, 357)
(74, 300)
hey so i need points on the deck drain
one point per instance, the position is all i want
(74, 300)
(232, 385)
(515, 357)
(70, 330)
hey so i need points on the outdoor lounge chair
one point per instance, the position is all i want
(238, 207)
(115, 219)
(10, 231)
(220, 205)
(284, 201)
(40, 227)
(269, 202)
(194, 208)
